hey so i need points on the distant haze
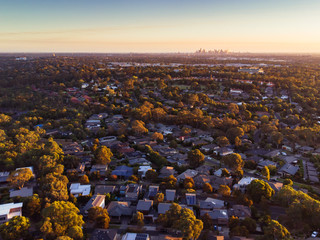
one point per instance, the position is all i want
(159, 26)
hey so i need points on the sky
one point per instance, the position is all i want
(159, 26)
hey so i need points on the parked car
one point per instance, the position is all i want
(314, 234)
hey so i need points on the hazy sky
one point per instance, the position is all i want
(159, 26)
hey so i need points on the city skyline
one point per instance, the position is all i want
(166, 26)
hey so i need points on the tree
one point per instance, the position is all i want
(275, 230)
(195, 158)
(138, 127)
(223, 141)
(64, 238)
(84, 179)
(207, 188)
(258, 188)
(224, 190)
(277, 138)
(54, 186)
(32, 206)
(234, 161)
(207, 222)
(266, 173)
(19, 177)
(59, 218)
(225, 173)
(232, 133)
(100, 216)
(288, 182)
(158, 198)
(75, 233)
(138, 219)
(151, 175)
(188, 224)
(250, 224)
(169, 182)
(103, 155)
(157, 136)
(188, 183)
(16, 228)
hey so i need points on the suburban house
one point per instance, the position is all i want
(243, 183)
(170, 195)
(219, 216)
(23, 192)
(143, 170)
(240, 211)
(191, 198)
(104, 234)
(153, 190)
(136, 236)
(119, 209)
(167, 172)
(123, 172)
(102, 169)
(4, 176)
(104, 189)
(95, 201)
(10, 210)
(77, 189)
(189, 173)
(288, 170)
(131, 191)
(211, 203)
(144, 206)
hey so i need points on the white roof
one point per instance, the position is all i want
(5, 208)
(246, 180)
(77, 188)
(144, 168)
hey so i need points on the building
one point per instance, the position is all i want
(119, 209)
(144, 206)
(143, 170)
(187, 174)
(123, 172)
(136, 236)
(101, 168)
(104, 234)
(288, 170)
(95, 201)
(191, 198)
(77, 189)
(23, 192)
(10, 210)
(243, 183)
(170, 194)
(251, 70)
(4, 176)
(104, 189)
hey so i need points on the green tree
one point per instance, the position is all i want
(224, 190)
(195, 158)
(188, 183)
(54, 185)
(233, 161)
(16, 228)
(250, 224)
(100, 216)
(288, 182)
(75, 232)
(188, 224)
(151, 175)
(266, 173)
(258, 188)
(159, 198)
(84, 179)
(19, 177)
(59, 218)
(275, 230)
(32, 206)
(103, 155)
(223, 141)
(207, 188)
(138, 219)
